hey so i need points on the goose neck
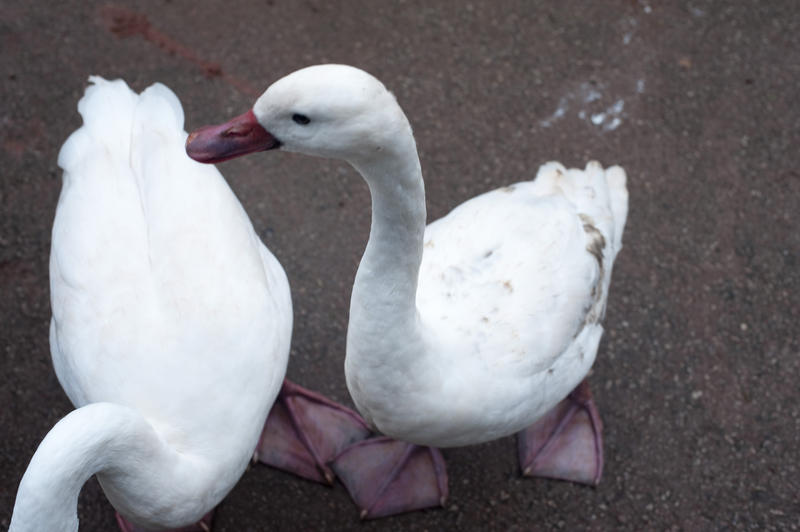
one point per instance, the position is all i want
(135, 466)
(387, 276)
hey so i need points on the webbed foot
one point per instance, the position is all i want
(304, 431)
(567, 443)
(204, 525)
(387, 477)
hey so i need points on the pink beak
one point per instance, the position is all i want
(238, 136)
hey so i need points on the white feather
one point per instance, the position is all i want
(171, 322)
(476, 326)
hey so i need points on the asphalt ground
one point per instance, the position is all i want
(697, 376)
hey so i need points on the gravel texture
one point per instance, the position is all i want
(697, 376)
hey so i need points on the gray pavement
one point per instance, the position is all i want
(697, 377)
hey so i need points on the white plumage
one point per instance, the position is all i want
(511, 287)
(475, 326)
(171, 322)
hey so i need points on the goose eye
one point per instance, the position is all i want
(300, 119)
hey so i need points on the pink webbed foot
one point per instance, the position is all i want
(304, 431)
(387, 477)
(204, 525)
(567, 443)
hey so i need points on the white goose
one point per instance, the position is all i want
(476, 326)
(171, 323)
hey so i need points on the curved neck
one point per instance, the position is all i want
(106, 439)
(383, 303)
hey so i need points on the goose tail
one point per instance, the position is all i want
(599, 195)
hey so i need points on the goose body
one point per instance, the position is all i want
(511, 288)
(480, 324)
(171, 323)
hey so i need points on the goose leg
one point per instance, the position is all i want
(204, 525)
(387, 477)
(304, 431)
(567, 443)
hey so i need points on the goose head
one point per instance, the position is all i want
(334, 111)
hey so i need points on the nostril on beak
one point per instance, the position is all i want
(236, 131)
